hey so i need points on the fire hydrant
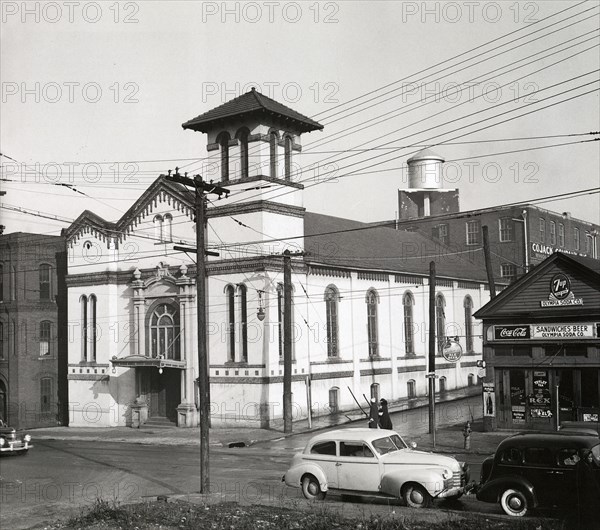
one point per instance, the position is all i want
(467, 435)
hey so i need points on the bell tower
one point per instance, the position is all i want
(252, 140)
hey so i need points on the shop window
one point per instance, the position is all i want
(512, 350)
(473, 232)
(506, 229)
(334, 400)
(590, 397)
(411, 389)
(576, 349)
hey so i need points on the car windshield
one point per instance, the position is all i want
(389, 444)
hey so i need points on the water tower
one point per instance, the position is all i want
(426, 195)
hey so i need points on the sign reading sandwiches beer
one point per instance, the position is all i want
(560, 330)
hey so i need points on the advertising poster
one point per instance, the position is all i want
(489, 402)
(540, 405)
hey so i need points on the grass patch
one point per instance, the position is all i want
(179, 514)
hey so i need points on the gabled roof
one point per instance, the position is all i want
(344, 243)
(587, 267)
(252, 102)
(118, 229)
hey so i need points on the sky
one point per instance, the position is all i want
(94, 95)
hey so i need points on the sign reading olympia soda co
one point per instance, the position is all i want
(582, 330)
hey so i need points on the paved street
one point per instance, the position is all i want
(58, 477)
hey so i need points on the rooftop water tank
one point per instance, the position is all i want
(425, 170)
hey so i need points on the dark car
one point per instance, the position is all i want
(541, 471)
(11, 442)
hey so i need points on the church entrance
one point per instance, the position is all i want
(162, 392)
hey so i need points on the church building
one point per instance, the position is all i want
(360, 294)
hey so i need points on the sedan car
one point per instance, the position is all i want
(541, 470)
(11, 443)
(375, 462)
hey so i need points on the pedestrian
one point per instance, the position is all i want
(373, 414)
(588, 493)
(385, 421)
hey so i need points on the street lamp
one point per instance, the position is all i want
(260, 313)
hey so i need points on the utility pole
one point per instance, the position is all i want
(287, 342)
(432, 351)
(488, 261)
(201, 188)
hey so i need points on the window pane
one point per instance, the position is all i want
(324, 448)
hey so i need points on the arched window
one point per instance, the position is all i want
(242, 136)
(230, 296)
(331, 311)
(158, 227)
(468, 305)
(223, 141)
(164, 332)
(92, 325)
(243, 295)
(375, 391)
(334, 400)
(273, 143)
(45, 336)
(408, 302)
(168, 227)
(83, 302)
(411, 389)
(442, 385)
(45, 291)
(440, 321)
(287, 146)
(372, 299)
(1, 282)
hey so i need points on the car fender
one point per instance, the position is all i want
(293, 476)
(431, 479)
(492, 490)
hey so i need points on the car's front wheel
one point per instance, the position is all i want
(311, 489)
(416, 496)
(514, 503)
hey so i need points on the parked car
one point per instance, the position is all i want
(540, 470)
(375, 462)
(10, 442)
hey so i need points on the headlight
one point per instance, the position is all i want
(447, 474)
(27, 438)
(2, 442)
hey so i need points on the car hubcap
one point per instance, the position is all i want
(313, 488)
(416, 497)
(515, 503)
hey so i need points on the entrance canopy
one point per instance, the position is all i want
(140, 361)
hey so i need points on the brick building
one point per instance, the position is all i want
(32, 342)
(520, 236)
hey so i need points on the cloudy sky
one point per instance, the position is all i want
(94, 95)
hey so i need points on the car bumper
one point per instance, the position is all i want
(15, 447)
(451, 492)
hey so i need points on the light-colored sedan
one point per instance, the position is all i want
(375, 462)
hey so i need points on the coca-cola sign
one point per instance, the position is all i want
(512, 332)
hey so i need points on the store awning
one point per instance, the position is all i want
(141, 361)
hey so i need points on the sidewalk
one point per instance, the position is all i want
(448, 439)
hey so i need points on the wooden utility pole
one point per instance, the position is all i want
(287, 342)
(432, 351)
(488, 261)
(201, 188)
